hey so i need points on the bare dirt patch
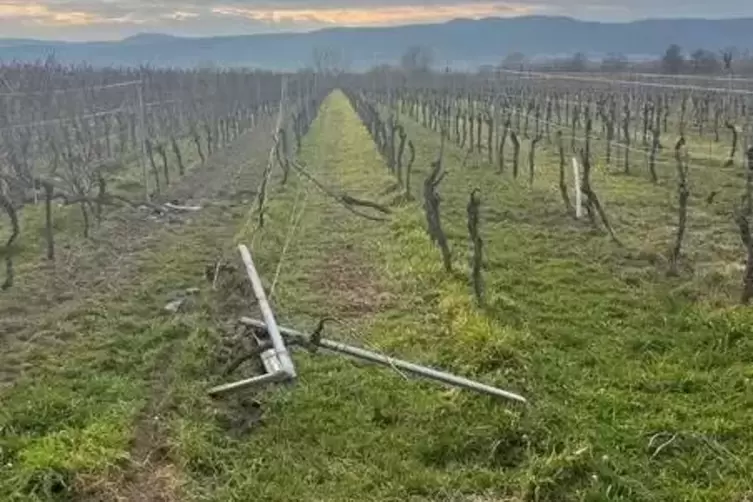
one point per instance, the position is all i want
(351, 284)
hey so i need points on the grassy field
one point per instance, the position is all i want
(640, 386)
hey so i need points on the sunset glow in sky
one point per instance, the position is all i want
(114, 19)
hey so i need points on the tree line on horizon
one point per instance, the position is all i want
(674, 61)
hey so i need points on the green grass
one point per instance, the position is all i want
(610, 353)
(608, 359)
(70, 415)
(75, 389)
(643, 214)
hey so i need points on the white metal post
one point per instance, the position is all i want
(391, 362)
(578, 193)
(286, 363)
(142, 139)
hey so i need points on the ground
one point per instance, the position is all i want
(639, 388)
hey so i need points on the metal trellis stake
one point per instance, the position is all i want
(297, 338)
(277, 362)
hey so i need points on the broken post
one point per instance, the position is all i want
(286, 363)
(286, 370)
(390, 362)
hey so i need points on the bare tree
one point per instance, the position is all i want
(417, 59)
(477, 245)
(328, 61)
(514, 61)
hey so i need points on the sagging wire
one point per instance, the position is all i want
(344, 199)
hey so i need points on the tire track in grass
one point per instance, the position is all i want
(153, 477)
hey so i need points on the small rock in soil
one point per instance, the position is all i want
(174, 306)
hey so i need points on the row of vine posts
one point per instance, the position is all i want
(484, 116)
(65, 130)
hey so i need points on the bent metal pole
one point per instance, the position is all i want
(383, 360)
(286, 363)
(257, 381)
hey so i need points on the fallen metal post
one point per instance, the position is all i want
(269, 358)
(257, 381)
(277, 361)
(383, 360)
(286, 363)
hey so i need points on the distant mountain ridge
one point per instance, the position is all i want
(460, 42)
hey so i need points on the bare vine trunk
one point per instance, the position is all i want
(153, 164)
(515, 153)
(743, 222)
(7, 205)
(593, 205)
(199, 149)
(652, 158)
(563, 183)
(683, 194)
(433, 219)
(48, 230)
(408, 170)
(165, 166)
(477, 245)
(178, 156)
(490, 138)
(502, 142)
(532, 158)
(731, 161)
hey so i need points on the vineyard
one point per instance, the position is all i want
(581, 240)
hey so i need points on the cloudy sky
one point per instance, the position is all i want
(114, 19)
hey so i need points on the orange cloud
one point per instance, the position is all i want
(42, 14)
(375, 16)
(38, 14)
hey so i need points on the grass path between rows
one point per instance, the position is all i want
(86, 378)
(347, 431)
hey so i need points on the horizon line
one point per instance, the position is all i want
(373, 28)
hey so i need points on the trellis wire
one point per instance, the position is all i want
(72, 90)
(556, 76)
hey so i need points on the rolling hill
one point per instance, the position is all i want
(458, 43)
